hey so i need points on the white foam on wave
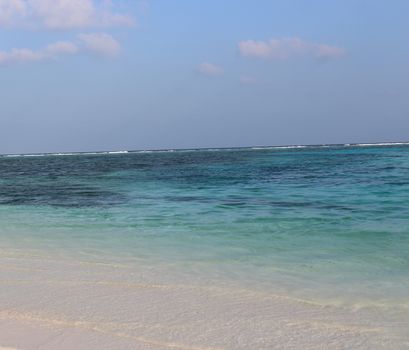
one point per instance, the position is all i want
(379, 144)
(280, 147)
(284, 147)
(117, 152)
(61, 154)
(333, 145)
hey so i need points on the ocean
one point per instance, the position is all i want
(327, 225)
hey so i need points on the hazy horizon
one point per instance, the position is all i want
(92, 75)
(113, 151)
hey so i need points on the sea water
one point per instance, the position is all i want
(322, 223)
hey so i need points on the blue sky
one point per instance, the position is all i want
(79, 75)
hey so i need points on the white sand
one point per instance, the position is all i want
(58, 303)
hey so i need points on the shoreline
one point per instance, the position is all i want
(303, 249)
(65, 304)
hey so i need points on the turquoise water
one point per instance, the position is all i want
(318, 222)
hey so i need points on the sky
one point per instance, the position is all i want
(85, 75)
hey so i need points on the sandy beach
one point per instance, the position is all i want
(53, 302)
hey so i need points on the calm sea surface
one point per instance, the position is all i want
(329, 223)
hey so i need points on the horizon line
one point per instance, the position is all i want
(93, 152)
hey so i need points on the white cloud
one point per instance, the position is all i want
(327, 52)
(10, 10)
(210, 69)
(62, 14)
(23, 55)
(98, 43)
(101, 44)
(62, 47)
(20, 55)
(284, 48)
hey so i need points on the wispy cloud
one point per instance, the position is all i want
(62, 47)
(62, 14)
(11, 10)
(22, 55)
(210, 69)
(285, 48)
(100, 44)
(247, 79)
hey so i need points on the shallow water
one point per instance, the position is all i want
(326, 225)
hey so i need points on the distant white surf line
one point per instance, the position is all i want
(117, 152)
(332, 145)
(206, 149)
(62, 154)
(377, 144)
(283, 147)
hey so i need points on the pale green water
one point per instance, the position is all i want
(318, 222)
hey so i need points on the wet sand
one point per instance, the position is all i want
(55, 302)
